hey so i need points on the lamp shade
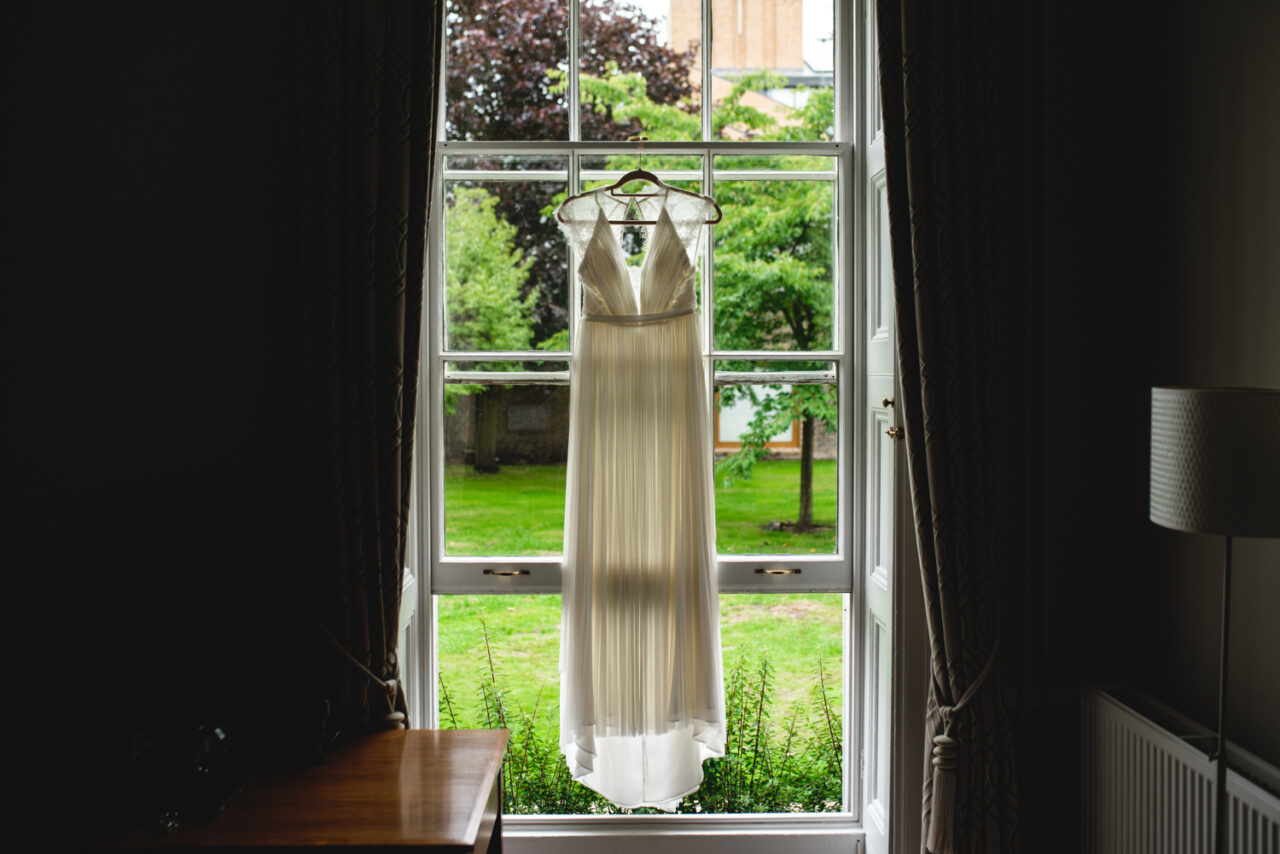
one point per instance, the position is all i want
(1215, 460)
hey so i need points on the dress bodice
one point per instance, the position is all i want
(663, 283)
(665, 280)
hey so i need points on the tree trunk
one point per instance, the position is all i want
(804, 521)
(489, 408)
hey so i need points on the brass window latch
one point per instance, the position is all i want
(506, 573)
(894, 433)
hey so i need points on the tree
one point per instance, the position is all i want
(485, 273)
(504, 63)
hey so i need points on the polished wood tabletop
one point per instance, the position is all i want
(403, 788)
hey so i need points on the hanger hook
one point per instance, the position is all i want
(639, 140)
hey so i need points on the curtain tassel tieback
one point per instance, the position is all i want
(946, 756)
(946, 759)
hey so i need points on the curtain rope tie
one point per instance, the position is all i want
(946, 758)
(390, 686)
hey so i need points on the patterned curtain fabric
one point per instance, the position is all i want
(952, 83)
(366, 80)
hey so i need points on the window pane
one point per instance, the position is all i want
(500, 367)
(774, 274)
(506, 273)
(776, 163)
(675, 169)
(499, 667)
(505, 70)
(641, 69)
(508, 163)
(772, 66)
(504, 463)
(777, 449)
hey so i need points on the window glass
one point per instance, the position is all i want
(499, 163)
(774, 274)
(772, 69)
(675, 169)
(504, 469)
(499, 667)
(641, 69)
(775, 163)
(504, 69)
(777, 448)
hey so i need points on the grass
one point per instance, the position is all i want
(793, 630)
(520, 510)
(517, 511)
(772, 494)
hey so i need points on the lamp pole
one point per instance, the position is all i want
(1220, 812)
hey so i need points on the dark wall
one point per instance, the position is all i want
(1221, 326)
(1162, 258)
(154, 544)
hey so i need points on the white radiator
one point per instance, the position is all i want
(1146, 789)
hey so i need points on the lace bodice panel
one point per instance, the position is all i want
(687, 214)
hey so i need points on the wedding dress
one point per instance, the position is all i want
(641, 695)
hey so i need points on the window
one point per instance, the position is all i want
(541, 98)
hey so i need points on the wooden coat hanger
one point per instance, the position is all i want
(640, 174)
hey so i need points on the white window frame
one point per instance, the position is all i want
(857, 236)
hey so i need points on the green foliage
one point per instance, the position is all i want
(789, 766)
(484, 275)
(623, 98)
(793, 766)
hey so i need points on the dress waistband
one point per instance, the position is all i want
(637, 319)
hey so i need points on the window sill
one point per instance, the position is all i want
(678, 834)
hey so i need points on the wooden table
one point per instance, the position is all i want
(438, 789)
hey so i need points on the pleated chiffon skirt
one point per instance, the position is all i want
(641, 698)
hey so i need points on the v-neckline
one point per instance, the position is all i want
(649, 243)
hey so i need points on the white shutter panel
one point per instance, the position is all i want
(883, 467)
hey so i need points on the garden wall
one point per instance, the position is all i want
(533, 429)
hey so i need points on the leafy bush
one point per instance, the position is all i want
(793, 765)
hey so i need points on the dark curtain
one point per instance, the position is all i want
(366, 80)
(954, 90)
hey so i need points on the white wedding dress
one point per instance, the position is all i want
(641, 695)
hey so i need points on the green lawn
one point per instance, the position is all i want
(520, 510)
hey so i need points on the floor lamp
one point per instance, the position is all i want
(1215, 469)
